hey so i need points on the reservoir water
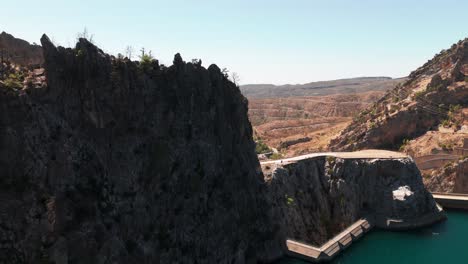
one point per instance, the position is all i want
(446, 242)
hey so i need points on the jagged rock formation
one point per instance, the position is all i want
(422, 103)
(316, 198)
(114, 162)
(20, 51)
(452, 178)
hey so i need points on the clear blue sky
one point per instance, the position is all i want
(264, 41)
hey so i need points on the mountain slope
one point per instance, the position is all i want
(433, 94)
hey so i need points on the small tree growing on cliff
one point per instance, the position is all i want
(129, 52)
(235, 78)
(85, 34)
(225, 71)
(146, 60)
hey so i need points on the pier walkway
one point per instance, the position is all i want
(332, 247)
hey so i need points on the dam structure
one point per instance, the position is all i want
(456, 201)
(332, 247)
(297, 248)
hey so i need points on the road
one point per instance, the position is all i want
(363, 154)
(450, 196)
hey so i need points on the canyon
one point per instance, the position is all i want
(109, 160)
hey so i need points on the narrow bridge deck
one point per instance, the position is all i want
(363, 154)
(332, 247)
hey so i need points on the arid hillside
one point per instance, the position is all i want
(426, 117)
(297, 125)
(432, 96)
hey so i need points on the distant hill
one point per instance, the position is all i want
(343, 86)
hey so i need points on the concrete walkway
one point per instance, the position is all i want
(363, 154)
(332, 247)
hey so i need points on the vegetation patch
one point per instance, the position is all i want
(276, 156)
(14, 81)
(261, 147)
(289, 199)
(403, 145)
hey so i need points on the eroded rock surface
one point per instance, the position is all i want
(20, 51)
(113, 162)
(452, 178)
(316, 198)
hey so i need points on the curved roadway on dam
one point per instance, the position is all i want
(363, 154)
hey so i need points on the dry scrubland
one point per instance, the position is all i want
(298, 125)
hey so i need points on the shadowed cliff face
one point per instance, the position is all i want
(20, 51)
(314, 199)
(117, 162)
(114, 164)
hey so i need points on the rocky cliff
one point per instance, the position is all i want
(428, 98)
(19, 51)
(118, 162)
(452, 178)
(115, 161)
(316, 198)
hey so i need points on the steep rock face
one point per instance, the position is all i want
(452, 178)
(115, 162)
(20, 51)
(410, 110)
(316, 198)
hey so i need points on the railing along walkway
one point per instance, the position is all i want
(332, 247)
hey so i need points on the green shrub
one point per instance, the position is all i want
(276, 156)
(289, 200)
(146, 61)
(419, 94)
(331, 160)
(14, 81)
(404, 144)
(261, 148)
(446, 123)
(446, 146)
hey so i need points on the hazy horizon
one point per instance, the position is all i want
(266, 42)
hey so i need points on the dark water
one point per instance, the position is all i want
(445, 243)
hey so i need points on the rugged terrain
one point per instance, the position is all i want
(303, 118)
(107, 160)
(297, 125)
(19, 51)
(425, 115)
(452, 177)
(316, 198)
(419, 105)
(115, 161)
